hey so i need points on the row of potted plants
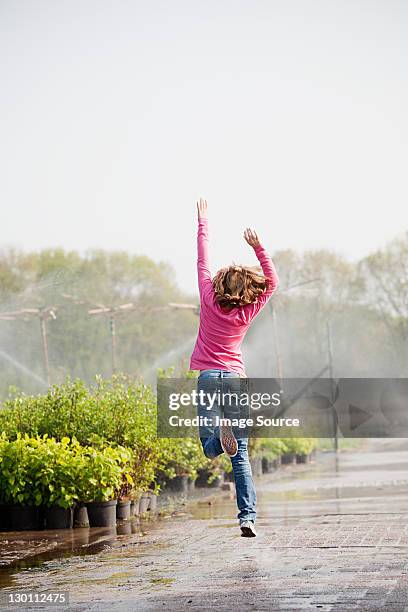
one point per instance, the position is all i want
(113, 412)
(56, 476)
(98, 446)
(268, 454)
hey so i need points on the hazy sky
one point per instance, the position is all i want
(290, 116)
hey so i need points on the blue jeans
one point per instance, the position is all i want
(213, 381)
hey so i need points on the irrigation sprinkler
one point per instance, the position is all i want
(43, 313)
(112, 312)
(327, 368)
(279, 360)
(332, 389)
(194, 307)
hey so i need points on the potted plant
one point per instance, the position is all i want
(183, 459)
(268, 465)
(19, 463)
(272, 449)
(144, 502)
(41, 474)
(123, 508)
(81, 515)
(153, 494)
(289, 453)
(59, 477)
(135, 496)
(303, 449)
(191, 482)
(212, 472)
(102, 478)
(4, 507)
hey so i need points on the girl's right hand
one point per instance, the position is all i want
(202, 209)
(251, 237)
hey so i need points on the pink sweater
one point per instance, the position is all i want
(220, 335)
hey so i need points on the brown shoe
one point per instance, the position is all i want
(228, 441)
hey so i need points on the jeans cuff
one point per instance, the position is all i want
(251, 519)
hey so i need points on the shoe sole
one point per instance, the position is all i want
(246, 532)
(228, 442)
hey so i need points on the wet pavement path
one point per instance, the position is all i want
(332, 537)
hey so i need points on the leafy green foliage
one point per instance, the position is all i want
(105, 473)
(299, 446)
(114, 412)
(274, 447)
(42, 471)
(92, 444)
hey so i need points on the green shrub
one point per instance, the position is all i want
(215, 468)
(182, 457)
(115, 412)
(17, 469)
(105, 472)
(272, 447)
(60, 471)
(299, 446)
(42, 471)
(36, 471)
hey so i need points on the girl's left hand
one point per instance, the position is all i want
(202, 209)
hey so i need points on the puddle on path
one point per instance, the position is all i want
(25, 550)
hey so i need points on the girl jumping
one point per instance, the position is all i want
(228, 304)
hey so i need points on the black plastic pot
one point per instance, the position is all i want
(179, 484)
(5, 517)
(24, 518)
(265, 465)
(134, 507)
(216, 482)
(153, 502)
(288, 458)
(81, 516)
(202, 478)
(269, 465)
(144, 503)
(102, 514)
(301, 458)
(59, 518)
(123, 510)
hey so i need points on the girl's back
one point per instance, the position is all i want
(223, 320)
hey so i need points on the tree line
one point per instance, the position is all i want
(366, 303)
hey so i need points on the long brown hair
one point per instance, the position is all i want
(236, 286)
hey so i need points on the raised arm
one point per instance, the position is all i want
(203, 267)
(268, 269)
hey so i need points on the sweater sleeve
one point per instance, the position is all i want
(203, 267)
(268, 268)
